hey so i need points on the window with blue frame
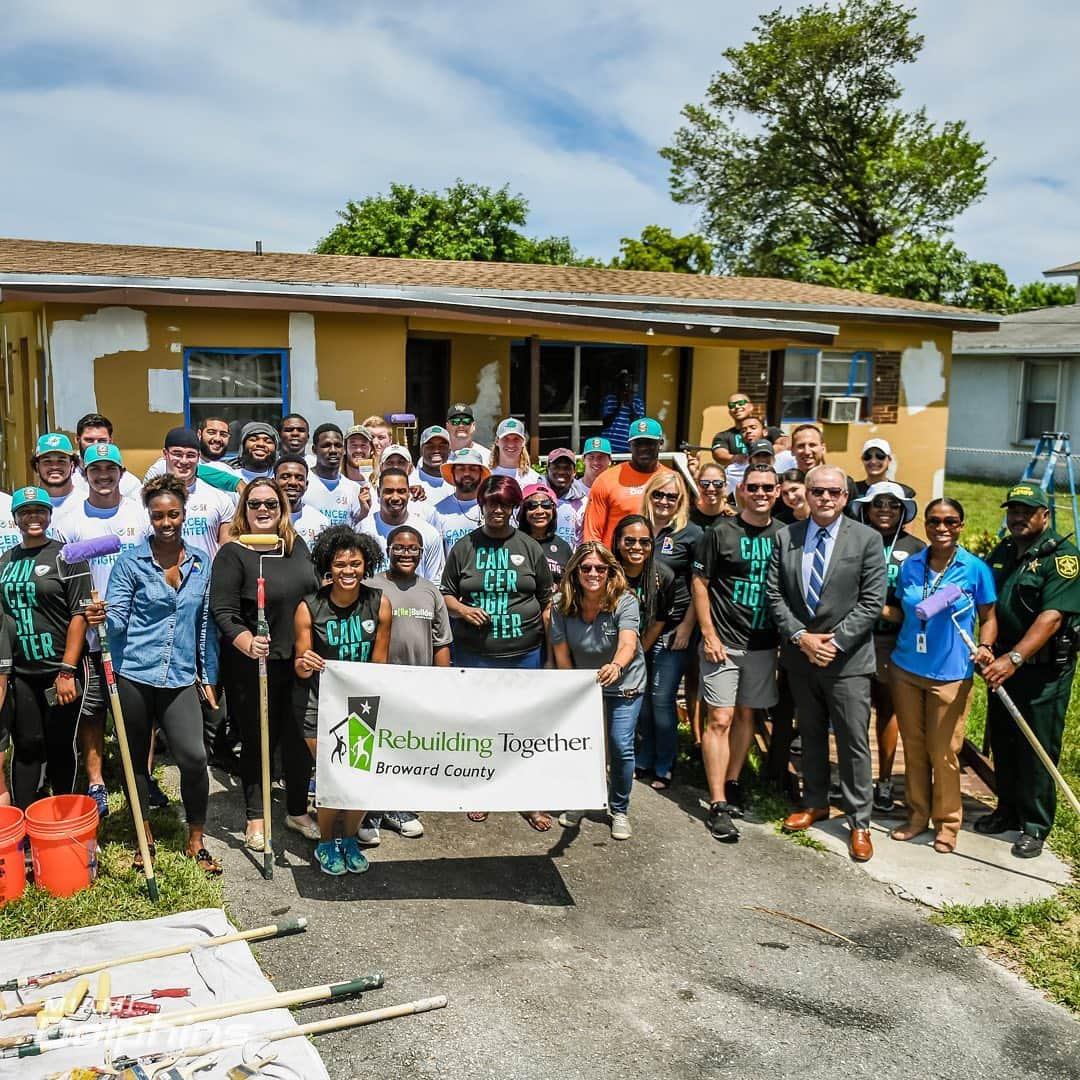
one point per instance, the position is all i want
(813, 374)
(236, 384)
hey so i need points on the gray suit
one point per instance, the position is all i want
(852, 595)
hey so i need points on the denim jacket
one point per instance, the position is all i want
(161, 636)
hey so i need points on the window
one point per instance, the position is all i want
(811, 374)
(1041, 386)
(236, 384)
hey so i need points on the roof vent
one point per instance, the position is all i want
(258, 247)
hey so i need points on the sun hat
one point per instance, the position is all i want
(888, 487)
(467, 455)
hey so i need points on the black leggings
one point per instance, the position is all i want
(177, 711)
(241, 679)
(44, 735)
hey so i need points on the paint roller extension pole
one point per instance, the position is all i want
(943, 600)
(257, 933)
(262, 629)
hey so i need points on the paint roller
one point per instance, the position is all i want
(85, 550)
(944, 600)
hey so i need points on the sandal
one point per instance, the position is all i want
(538, 820)
(205, 862)
(943, 846)
(660, 783)
(477, 815)
(137, 860)
(908, 832)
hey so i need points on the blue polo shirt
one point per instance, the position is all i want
(946, 658)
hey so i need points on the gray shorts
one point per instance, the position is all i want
(748, 679)
(95, 694)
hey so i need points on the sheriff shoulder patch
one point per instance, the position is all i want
(1067, 566)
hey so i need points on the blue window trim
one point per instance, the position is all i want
(282, 353)
(856, 356)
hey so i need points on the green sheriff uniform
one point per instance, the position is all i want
(1046, 577)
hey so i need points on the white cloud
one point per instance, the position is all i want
(219, 124)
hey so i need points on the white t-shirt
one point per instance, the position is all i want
(130, 484)
(524, 479)
(435, 486)
(455, 518)
(431, 561)
(308, 523)
(340, 503)
(206, 510)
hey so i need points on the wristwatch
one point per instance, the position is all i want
(1015, 659)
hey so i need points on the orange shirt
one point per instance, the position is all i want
(615, 494)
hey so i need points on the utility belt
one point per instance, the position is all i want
(1060, 651)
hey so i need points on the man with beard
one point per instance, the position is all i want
(54, 462)
(571, 493)
(334, 495)
(394, 511)
(258, 448)
(213, 439)
(457, 514)
(291, 472)
(434, 450)
(95, 428)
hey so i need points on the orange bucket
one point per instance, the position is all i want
(63, 839)
(12, 865)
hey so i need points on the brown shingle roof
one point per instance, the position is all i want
(119, 260)
(1068, 268)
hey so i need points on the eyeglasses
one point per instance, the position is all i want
(402, 549)
(948, 522)
(263, 504)
(542, 504)
(594, 568)
(460, 421)
(665, 496)
(738, 404)
(711, 484)
(875, 455)
(819, 492)
(637, 541)
(766, 489)
(183, 457)
(885, 504)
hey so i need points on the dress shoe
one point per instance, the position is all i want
(1027, 846)
(859, 846)
(803, 819)
(993, 823)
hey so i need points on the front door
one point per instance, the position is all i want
(427, 380)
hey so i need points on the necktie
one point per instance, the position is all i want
(817, 573)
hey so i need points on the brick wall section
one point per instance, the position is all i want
(885, 394)
(754, 377)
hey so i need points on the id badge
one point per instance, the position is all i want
(920, 643)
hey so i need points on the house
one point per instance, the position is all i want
(154, 337)
(1010, 385)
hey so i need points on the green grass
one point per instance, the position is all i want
(119, 893)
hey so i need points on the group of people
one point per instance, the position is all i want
(770, 584)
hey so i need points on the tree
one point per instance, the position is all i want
(1041, 294)
(800, 139)
(661, 249)
(469, 221)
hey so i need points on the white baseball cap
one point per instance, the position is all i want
(395, 448)
(877, 444)
(510, 426)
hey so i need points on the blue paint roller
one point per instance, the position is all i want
(945, 599)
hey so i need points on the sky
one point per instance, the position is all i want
(210, 124)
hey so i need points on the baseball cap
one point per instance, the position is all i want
(53, 442)
(596, 445)
(30, 496)
(645, 428)
(459, 410)
(102, 451)
(510, 426)
(436, 431)
(1026, 495)
(887, 487)
(467, 455)
(877, 444)
(358, 429)
(562, 452)
(761, 446)
(543, 489)
(395, 448)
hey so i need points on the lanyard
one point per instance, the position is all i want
(928, 590)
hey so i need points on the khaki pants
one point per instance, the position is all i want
(931, 716)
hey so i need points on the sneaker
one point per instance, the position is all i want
(403, 822)
(620, 827)
(355, 862)
(369, 837)
(329, 856)
(100, 796)
(305, 826)
(158, 799)
(571, 819)
(883, 796)
(720, 823)
(734, 798)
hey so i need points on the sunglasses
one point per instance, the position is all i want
(541, 504)
(594, 568)
(460, 421)
(636, 541)
(402, 549)
(711, 484)
(767, 489)
(738, 404)
(263, 504)
(875, 455)
(819, 492)
(948, 522)
(885, 504)
(665, 496)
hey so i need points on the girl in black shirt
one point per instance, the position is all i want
(264, 508)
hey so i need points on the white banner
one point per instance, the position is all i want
(424, 738)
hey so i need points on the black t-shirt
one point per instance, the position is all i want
(344, 633)
(863, 486)
(783, 513)
(557, 552)
(732, 441)
(234, 593)
(905, 546)
(675, 550)
(704, 521)
(509, 578)
(665, 597)
(733, 558)
(41, 593)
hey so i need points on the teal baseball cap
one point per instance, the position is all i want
(596, 445)
(30, 496)
(53, 442)
(102, 451)
(645, 428)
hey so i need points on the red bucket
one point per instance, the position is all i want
(12, 864)
(63, 839)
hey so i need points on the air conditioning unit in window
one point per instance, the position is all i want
(839, 410)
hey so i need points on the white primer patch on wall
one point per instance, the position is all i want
(304, 376)
(488, 404)
(165, 390)
(74, 345)
(922, 372)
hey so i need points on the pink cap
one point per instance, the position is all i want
(541, 489)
